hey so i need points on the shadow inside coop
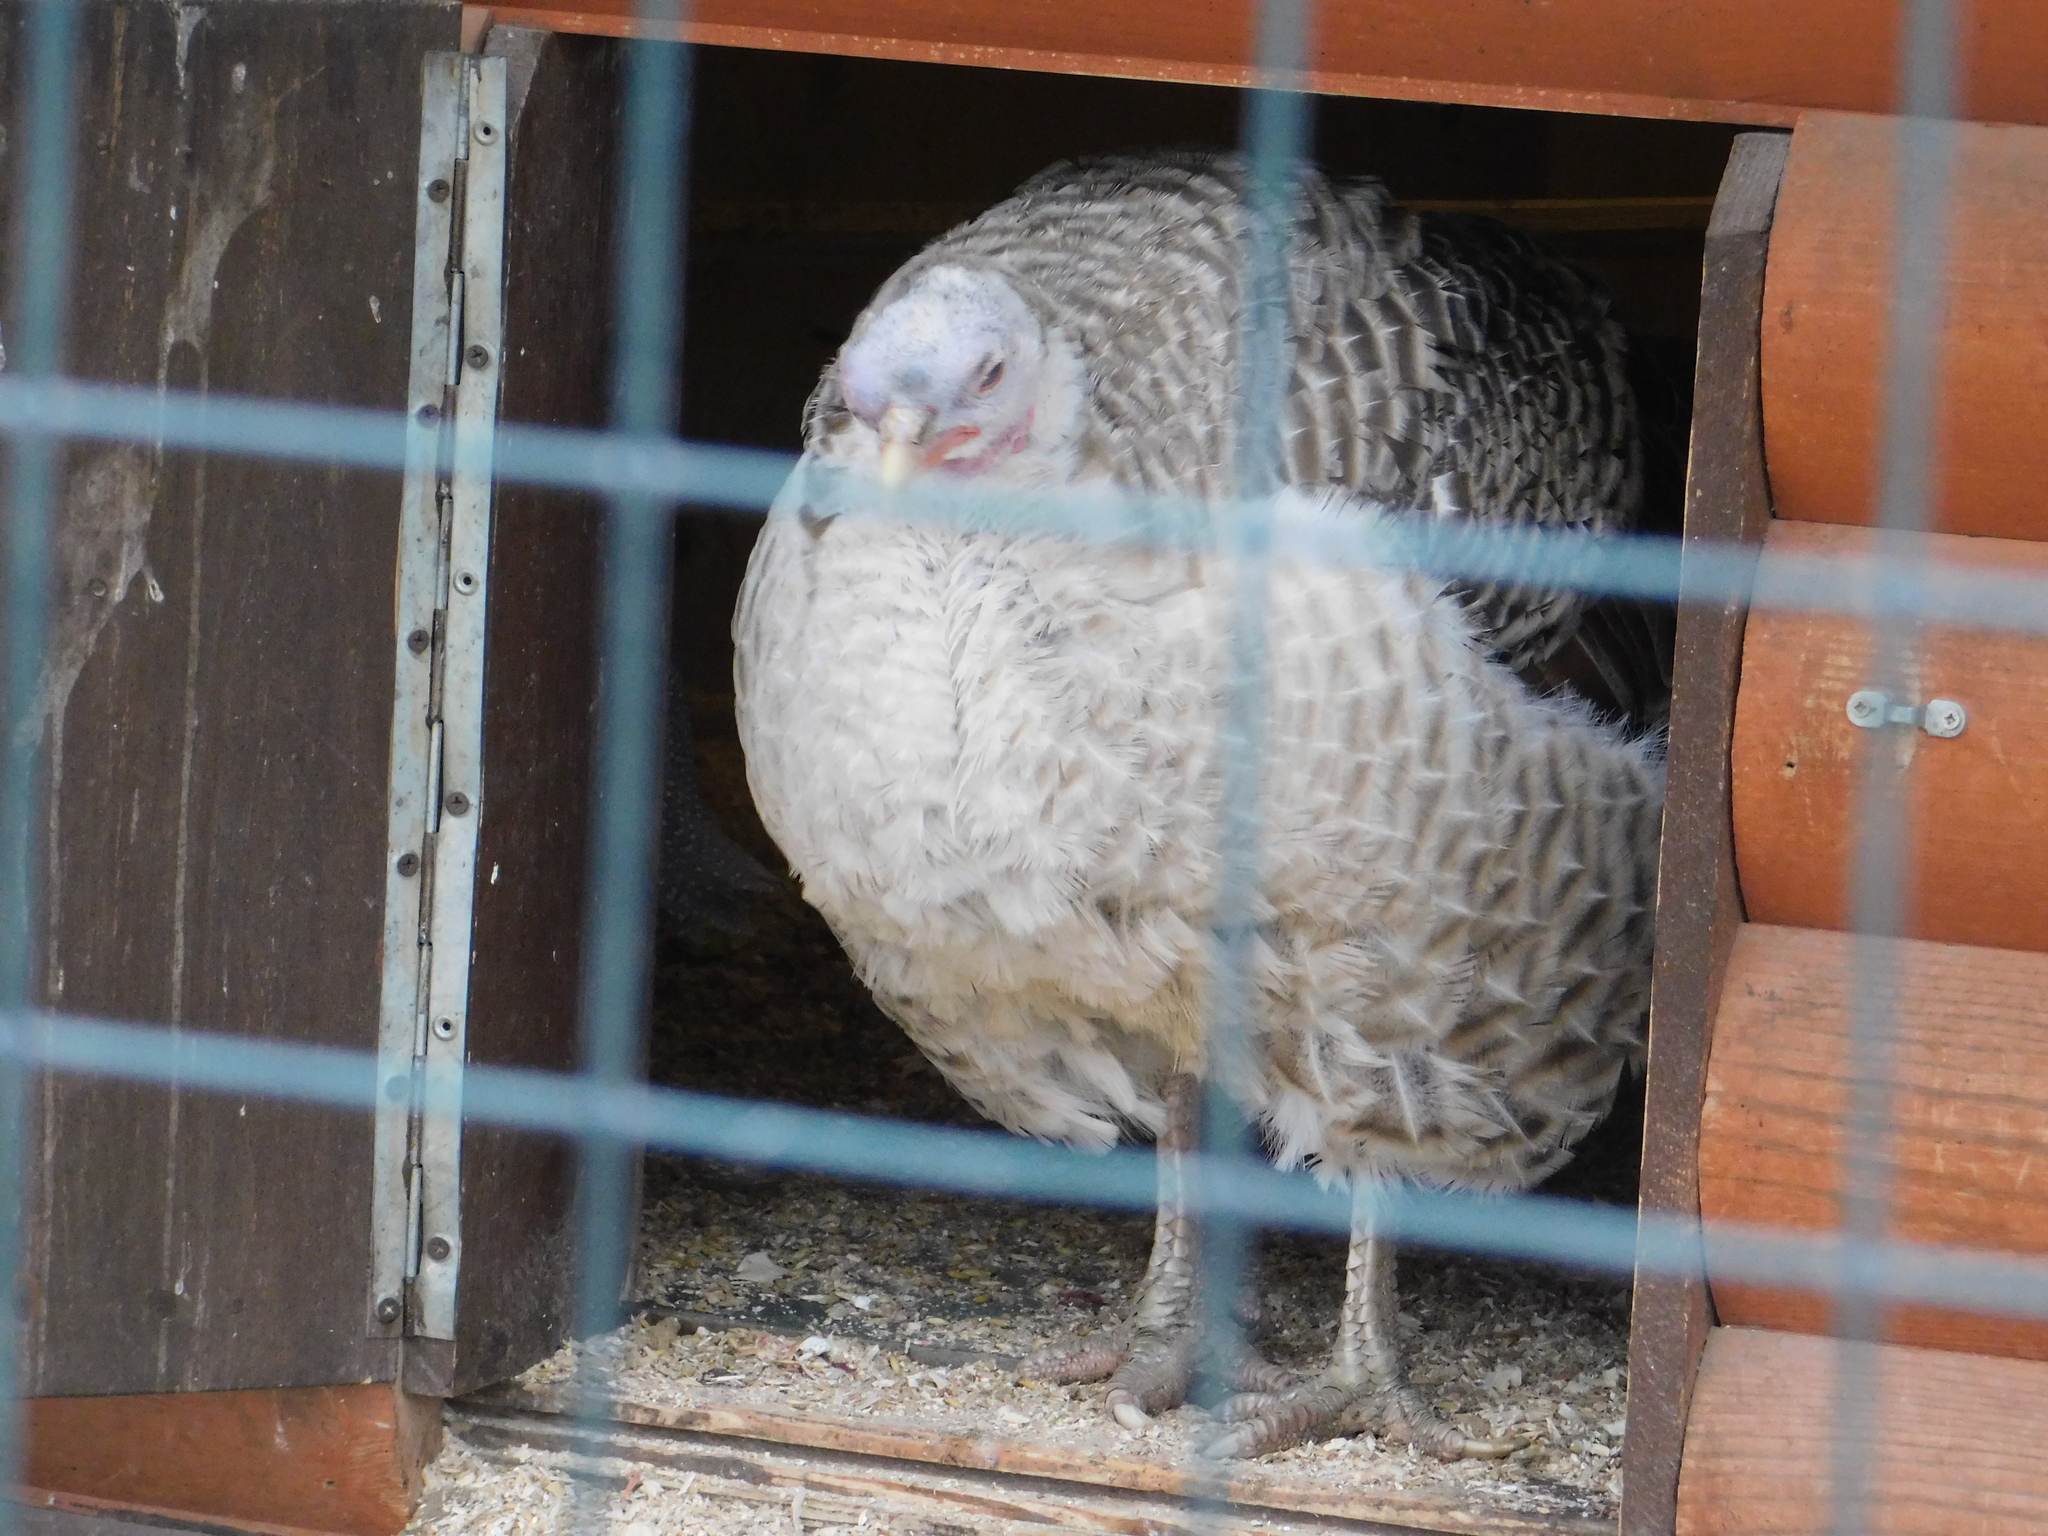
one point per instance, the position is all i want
(828, 174)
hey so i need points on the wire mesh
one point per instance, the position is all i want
(646, 471)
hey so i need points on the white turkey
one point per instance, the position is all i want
(992, 755)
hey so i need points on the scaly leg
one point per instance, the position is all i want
(1152, 1359)
(1364, 1385)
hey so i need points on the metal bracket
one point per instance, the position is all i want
(436, 787)
(1873, 709)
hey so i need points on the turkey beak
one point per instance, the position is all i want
(903, 428)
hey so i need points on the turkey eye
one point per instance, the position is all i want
(991, 378)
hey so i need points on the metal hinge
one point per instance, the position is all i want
(436, 790)
(1873, 709)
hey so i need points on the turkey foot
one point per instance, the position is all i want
(1364, 1387)
(1153, 1360)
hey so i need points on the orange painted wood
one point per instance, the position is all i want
(313, 1458)
(1828, 300)
(1741, 61)
(1976, 807)
(1957, 1453)
(1968, 1155)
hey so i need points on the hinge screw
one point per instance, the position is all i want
(437, 190)
(438, 1249)
(479, 356)
(457, 804)
(1944, 718)
(388, 1309)
(418, 641)
(408, 864)
(428, 414)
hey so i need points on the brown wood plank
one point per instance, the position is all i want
(48, 1512)
(877, 1437)
(1829, 303)
(343, 1459)
(1969, 1138)
(518, 1272)
(1698, 909)
(846, 1483)
(1975, 807)
(1958, 1441)
(220, 688)
(1740, 61)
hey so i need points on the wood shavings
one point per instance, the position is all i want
(1497, 1347)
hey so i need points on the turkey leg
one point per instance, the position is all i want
(1364, 1387)
(1152, 1359)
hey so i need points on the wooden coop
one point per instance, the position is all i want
(224, 1319)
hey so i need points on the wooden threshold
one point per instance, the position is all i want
(1012, 1471)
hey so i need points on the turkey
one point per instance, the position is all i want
(992, 755)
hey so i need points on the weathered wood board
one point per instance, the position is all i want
(220, 688)
(1698, 908)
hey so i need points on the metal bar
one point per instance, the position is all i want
(846, 1145)
(1275, 134)
(1921, 245)
(478, 329)
(413, 765)
(633, 647)
(41, 301)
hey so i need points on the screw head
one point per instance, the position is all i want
(457, 804)
(444, 1028)
(437, 190)
(478, 356)
(438, 1249)
(465, 582)
(486, 133)
(388, 1309)
(1867, 707)
(408, 864)
(1945, 718)
(427, 415)
(418, 641)
(96, 587)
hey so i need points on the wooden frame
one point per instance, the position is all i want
(1735, 61)
(1699, 907)
(319, 1458)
